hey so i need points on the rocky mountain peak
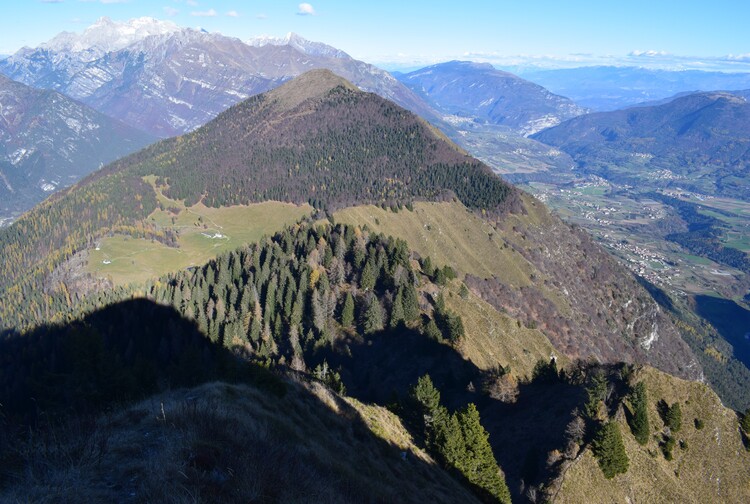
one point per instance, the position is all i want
(106, 35)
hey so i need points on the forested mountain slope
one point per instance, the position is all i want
(698, 140)
(419, 262)
(362, 149)
(316, 139)
(48, 141)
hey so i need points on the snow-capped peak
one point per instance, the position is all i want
(300, 43)
(106, 35)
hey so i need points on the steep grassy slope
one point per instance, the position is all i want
(713, 467)
(535, 269)
(232, 443)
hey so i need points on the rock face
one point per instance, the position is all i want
(480, 93)
(48, 141)
(588, 305)
(168, 81)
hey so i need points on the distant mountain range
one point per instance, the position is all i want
(477, 92)
(49, 141)
(301, 44)
(608, 88)
(167, 80)
(700, 139)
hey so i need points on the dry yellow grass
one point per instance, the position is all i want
(235, 443)
(450, 234)
(715, 467)
(495, 339)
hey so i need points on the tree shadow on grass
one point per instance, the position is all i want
(383, 367)
(57, 381)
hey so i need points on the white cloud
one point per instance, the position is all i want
(305, 9)
(208, 13)
(233, 13)
(171, 11)
(649, 54)
(261, 16)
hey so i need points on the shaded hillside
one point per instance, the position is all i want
(264, 438)
(315, 139)
(48, 141)
(479, 92)
(699, 141)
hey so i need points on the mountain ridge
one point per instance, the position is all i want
(479, 92)
(181, 79)
(51, 141)
(698, 137)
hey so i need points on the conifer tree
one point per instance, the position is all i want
(440, 277)
(674, 417)
(410, 302)
(318, 311)
(427, 267)
(347, 312)
(609, 450)
(479, 464)
(255, 329)
(432, 331)
(638, 422)
(397, 310)
(368, 277)
(373, 317)
(450, 441)
(428, 398)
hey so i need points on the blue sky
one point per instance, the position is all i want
(409, 33)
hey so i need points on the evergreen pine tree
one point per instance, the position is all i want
(479, 464)
(440, 277)
(255, 329)
(397, 310)
(410, 302)
(609, 450)
(368, 277)
(373, 317)
(455, 326)
(639, 420)
(318, 311)
(427, 267)
(347, 312)
(674, 417)
(432, 331)
(450, 442)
